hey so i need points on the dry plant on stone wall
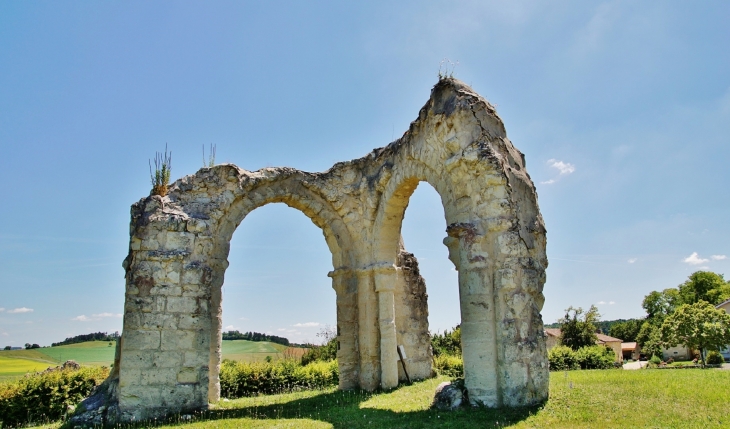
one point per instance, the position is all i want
(161, 177)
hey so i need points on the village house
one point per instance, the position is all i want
(552, 339)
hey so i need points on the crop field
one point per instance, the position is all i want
(15, 363)
(257, 351)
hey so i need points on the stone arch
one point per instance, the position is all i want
(290, 192)
(167, 357)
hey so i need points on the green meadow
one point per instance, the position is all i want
(16, 363)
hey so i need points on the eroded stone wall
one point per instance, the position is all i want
(169, 358)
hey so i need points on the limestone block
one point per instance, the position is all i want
(168, 359)
(178, 340)
(182, 304)
(141, 339)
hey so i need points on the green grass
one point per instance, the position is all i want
(578, 399)
(251, 351)
(92, 353)
(15, 363)
(12, 368)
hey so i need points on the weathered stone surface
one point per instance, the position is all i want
(169, 358)
(448, 396)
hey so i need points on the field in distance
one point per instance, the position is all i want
(15, 363)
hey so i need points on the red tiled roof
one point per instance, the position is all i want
(628, 346)
(607, 339)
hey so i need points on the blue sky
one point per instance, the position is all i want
(621, 108)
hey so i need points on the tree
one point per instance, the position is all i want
(659, 305)
(8, 348)
(704, 286)
(577, 331)
(698, 326)
(650, 339)
(626, 331)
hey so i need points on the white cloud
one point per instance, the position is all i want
(230, 328)
(694, 259)
(95, 317)
(611, 302)
(632, 260)
(548, 182)
(307, 325)
(20, 310)
(1, 309)
(244, 318)
(718, 257)
(563, 167)
(5, 334)
(601, 302)
(606, 303)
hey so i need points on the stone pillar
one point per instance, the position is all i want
(478, 327)
(367, 316)
(385, 279)
(344, 282)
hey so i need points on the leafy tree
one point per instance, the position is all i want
(626, 331)
(578, 329)
(704, 286)
(698, 326)
(650, 339)
(8, 348)
(659, 305)
(449, 343)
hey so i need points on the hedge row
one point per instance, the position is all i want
(449, 365)
(47, 396)
(564, 358)
(264, 378)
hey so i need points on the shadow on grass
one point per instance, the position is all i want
(343, 409)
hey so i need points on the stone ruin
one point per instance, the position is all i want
(169, 356)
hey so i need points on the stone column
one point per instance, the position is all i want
(367, 316)
(478, 326)
(344, 282)
(385, 279)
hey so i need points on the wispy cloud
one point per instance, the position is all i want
(20, 310)
(307, 325)
(95, 317)
(230, 328)
(632, 260)
(718, 257)
(564, 168)
(1, 309)
(606, 303)
(5, 334)
(694, 259)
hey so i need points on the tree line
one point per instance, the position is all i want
(95, 336)
(255, 336)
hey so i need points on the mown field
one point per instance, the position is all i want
(15, 363)
(579, 399)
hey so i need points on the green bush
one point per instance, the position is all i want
(562, 358)
(323, 353)
(595, 357)
(47, 396)
(449, 343)
(655, 360)
(240, 379)
(714, 358)
(449, 365)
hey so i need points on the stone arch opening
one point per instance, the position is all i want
(293, 194)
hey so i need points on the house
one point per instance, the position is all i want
(631, 350)
(552, 339)
(725, 306)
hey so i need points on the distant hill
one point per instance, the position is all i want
(96, 336)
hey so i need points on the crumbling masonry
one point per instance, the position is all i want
(169, 357)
